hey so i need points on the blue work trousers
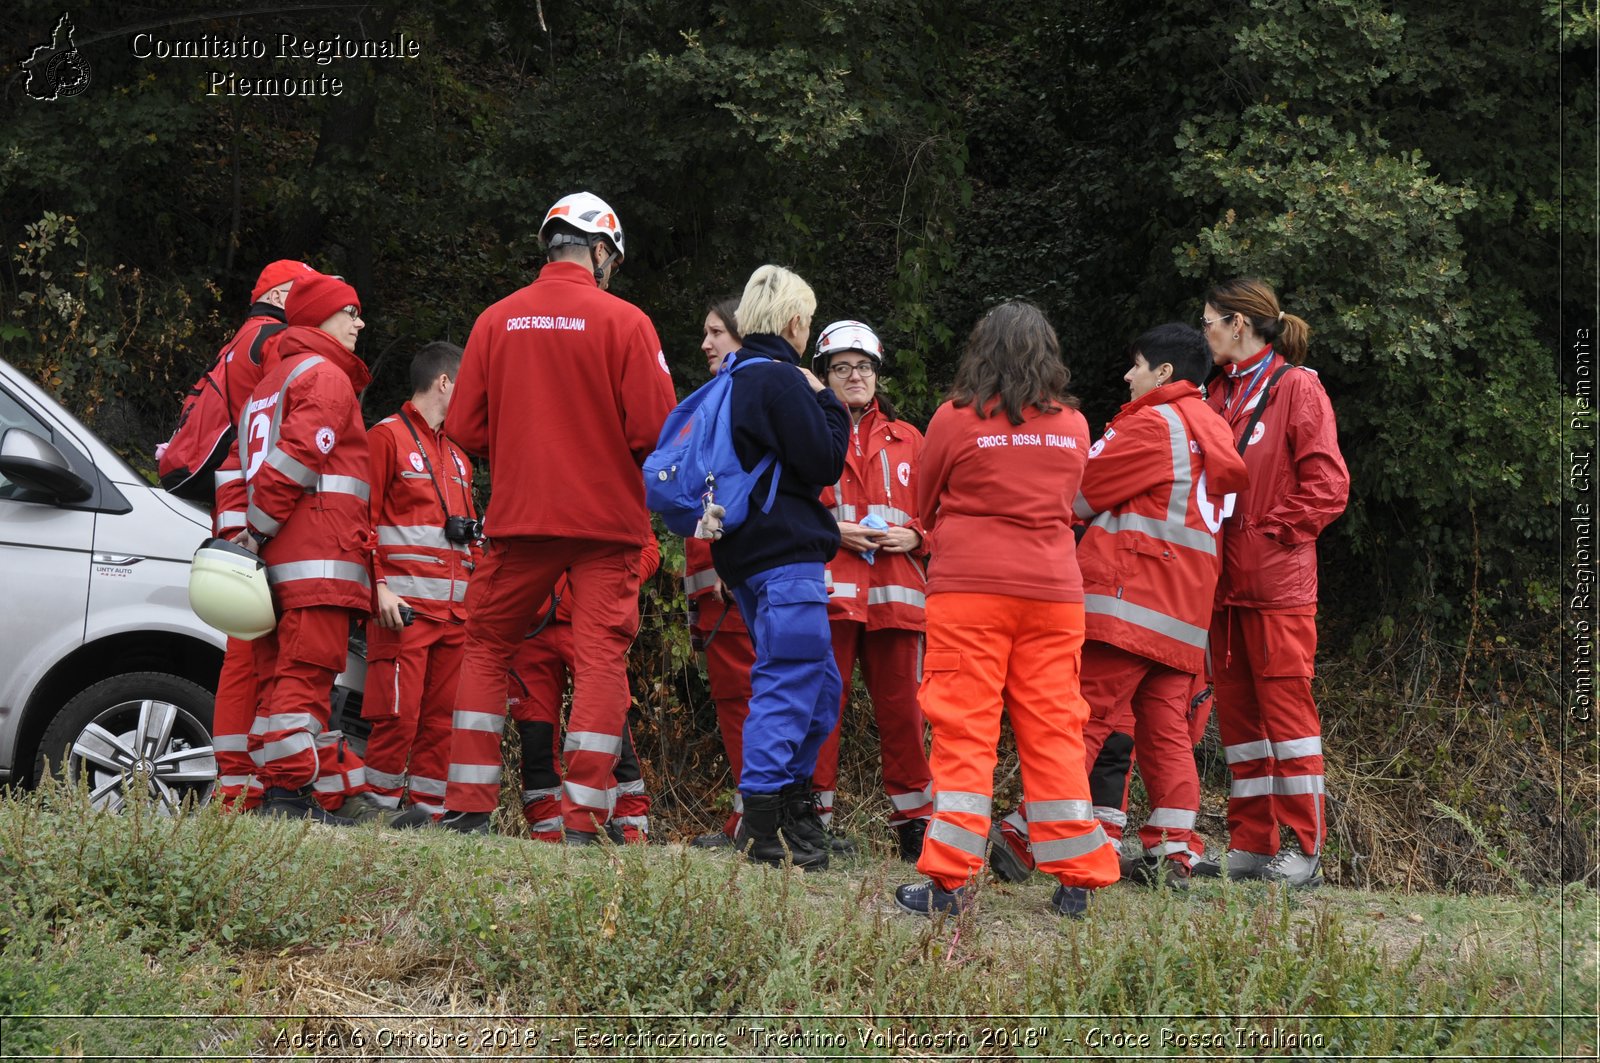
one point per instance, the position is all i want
(795, 685)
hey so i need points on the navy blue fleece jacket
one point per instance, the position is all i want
(775, 409)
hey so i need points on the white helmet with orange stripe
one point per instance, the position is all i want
(586, 213)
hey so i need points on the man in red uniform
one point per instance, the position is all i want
(876, 581)
(717, 627)
(303, 447)
(243, 356)
(564, 388)
(539, 674)
(426, 522)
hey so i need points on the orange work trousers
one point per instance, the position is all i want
(989, 653)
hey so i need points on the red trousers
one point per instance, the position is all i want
(297, 664)
(514, 578)
(539, 676)
(1271, 733)
(231, 720)
(989, 653)
(891, 660)
(412, 676)
(729, 657)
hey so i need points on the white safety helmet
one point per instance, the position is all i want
(846, 336)
(587, 213)
(228, 590)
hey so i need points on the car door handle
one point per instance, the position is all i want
(120, 560)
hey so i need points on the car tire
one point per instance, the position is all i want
(148, 726)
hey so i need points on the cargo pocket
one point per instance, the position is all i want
(381, 698)
(794, 622)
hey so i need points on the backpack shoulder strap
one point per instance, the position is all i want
(1261, 407)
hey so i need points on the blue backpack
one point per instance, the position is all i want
(694, 464)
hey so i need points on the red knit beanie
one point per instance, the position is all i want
(314, 300)
(280, 272)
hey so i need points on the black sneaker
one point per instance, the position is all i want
(414, 818)
(1070, 901)
(1159, 873)
(911, 834)
(715, 840)
(929, 898)
(466, 822)
(1003, 860)
(298, 804)
(582, 837)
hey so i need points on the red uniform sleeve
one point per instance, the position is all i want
(1321, 480)
(380, 443)
(650, 559)
(915, 524)
(312, 407)
(934, 471)
(645, 391)
(1136, 460)
(467, 421)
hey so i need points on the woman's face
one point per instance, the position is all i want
(1141, 378)
(1214, 326)
(853, 377)
(718, 342)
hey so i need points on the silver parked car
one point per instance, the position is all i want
(103, 665)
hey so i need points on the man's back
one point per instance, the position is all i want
(564, 388)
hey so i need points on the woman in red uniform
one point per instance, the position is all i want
(876, 581)
(1003, 461)
(1264, 631)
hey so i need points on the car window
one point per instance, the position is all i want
(14, 415)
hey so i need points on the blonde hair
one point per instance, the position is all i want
(1255, 299)
(773, 296)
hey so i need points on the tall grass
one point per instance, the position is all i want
(369, 936)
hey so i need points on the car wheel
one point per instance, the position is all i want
(144, 732)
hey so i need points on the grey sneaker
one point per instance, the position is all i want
(364, 808)
(1240, 864)
(1293, 868)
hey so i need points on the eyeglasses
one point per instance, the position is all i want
(1207, 322)
(842, 372)
(353, 310)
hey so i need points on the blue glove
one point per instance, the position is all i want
(876, 523)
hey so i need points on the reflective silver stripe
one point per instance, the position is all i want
(530, 796)
(283, 749)
(226, 476)
(232, 518)
(344, 485)
(475, 774)
(235, 780)
(330, 784)
(738, 802)
(636, 787)
(891, 514)
(1142, 616)
(1057, 811)
(1068, 848)
(1258, 750)
(700, 581)
(259, 520)
(962, 801)
(641, 823)
(843, 511)
(230, 743)
(1114, 817)
(1182, 479)
(1171, 818)
(291, 467)
(894, 595)
(958, 838)
(546, 826)
(431, 809)
(413, 535)
(385, 779)
(909, 802)
(1297, 785)
(824, 798)
(1178, 535)
(422, 784)
(888, 486)
(1168, 848)
(348, 571)
(1297, 747)
(589, 797)
(593, 742)
(434, 590)
(843, 590)
(385, 800)
(1251, 788)
(1017, 822)
(285, 721)
(488, 722)
(1081, 507)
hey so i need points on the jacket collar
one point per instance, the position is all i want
(266, 310)
(767, 345)
(304, 339)
(571, 272)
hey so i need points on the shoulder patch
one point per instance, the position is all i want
(326, 439)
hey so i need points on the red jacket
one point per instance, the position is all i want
(1154, 486)
(243, 357)
(699, 580)
(879, 477)
(409, 475)
(1298, 485)
(304, 450)
(999, 497)
(564, 388)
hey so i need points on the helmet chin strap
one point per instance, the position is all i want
(599, 267)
